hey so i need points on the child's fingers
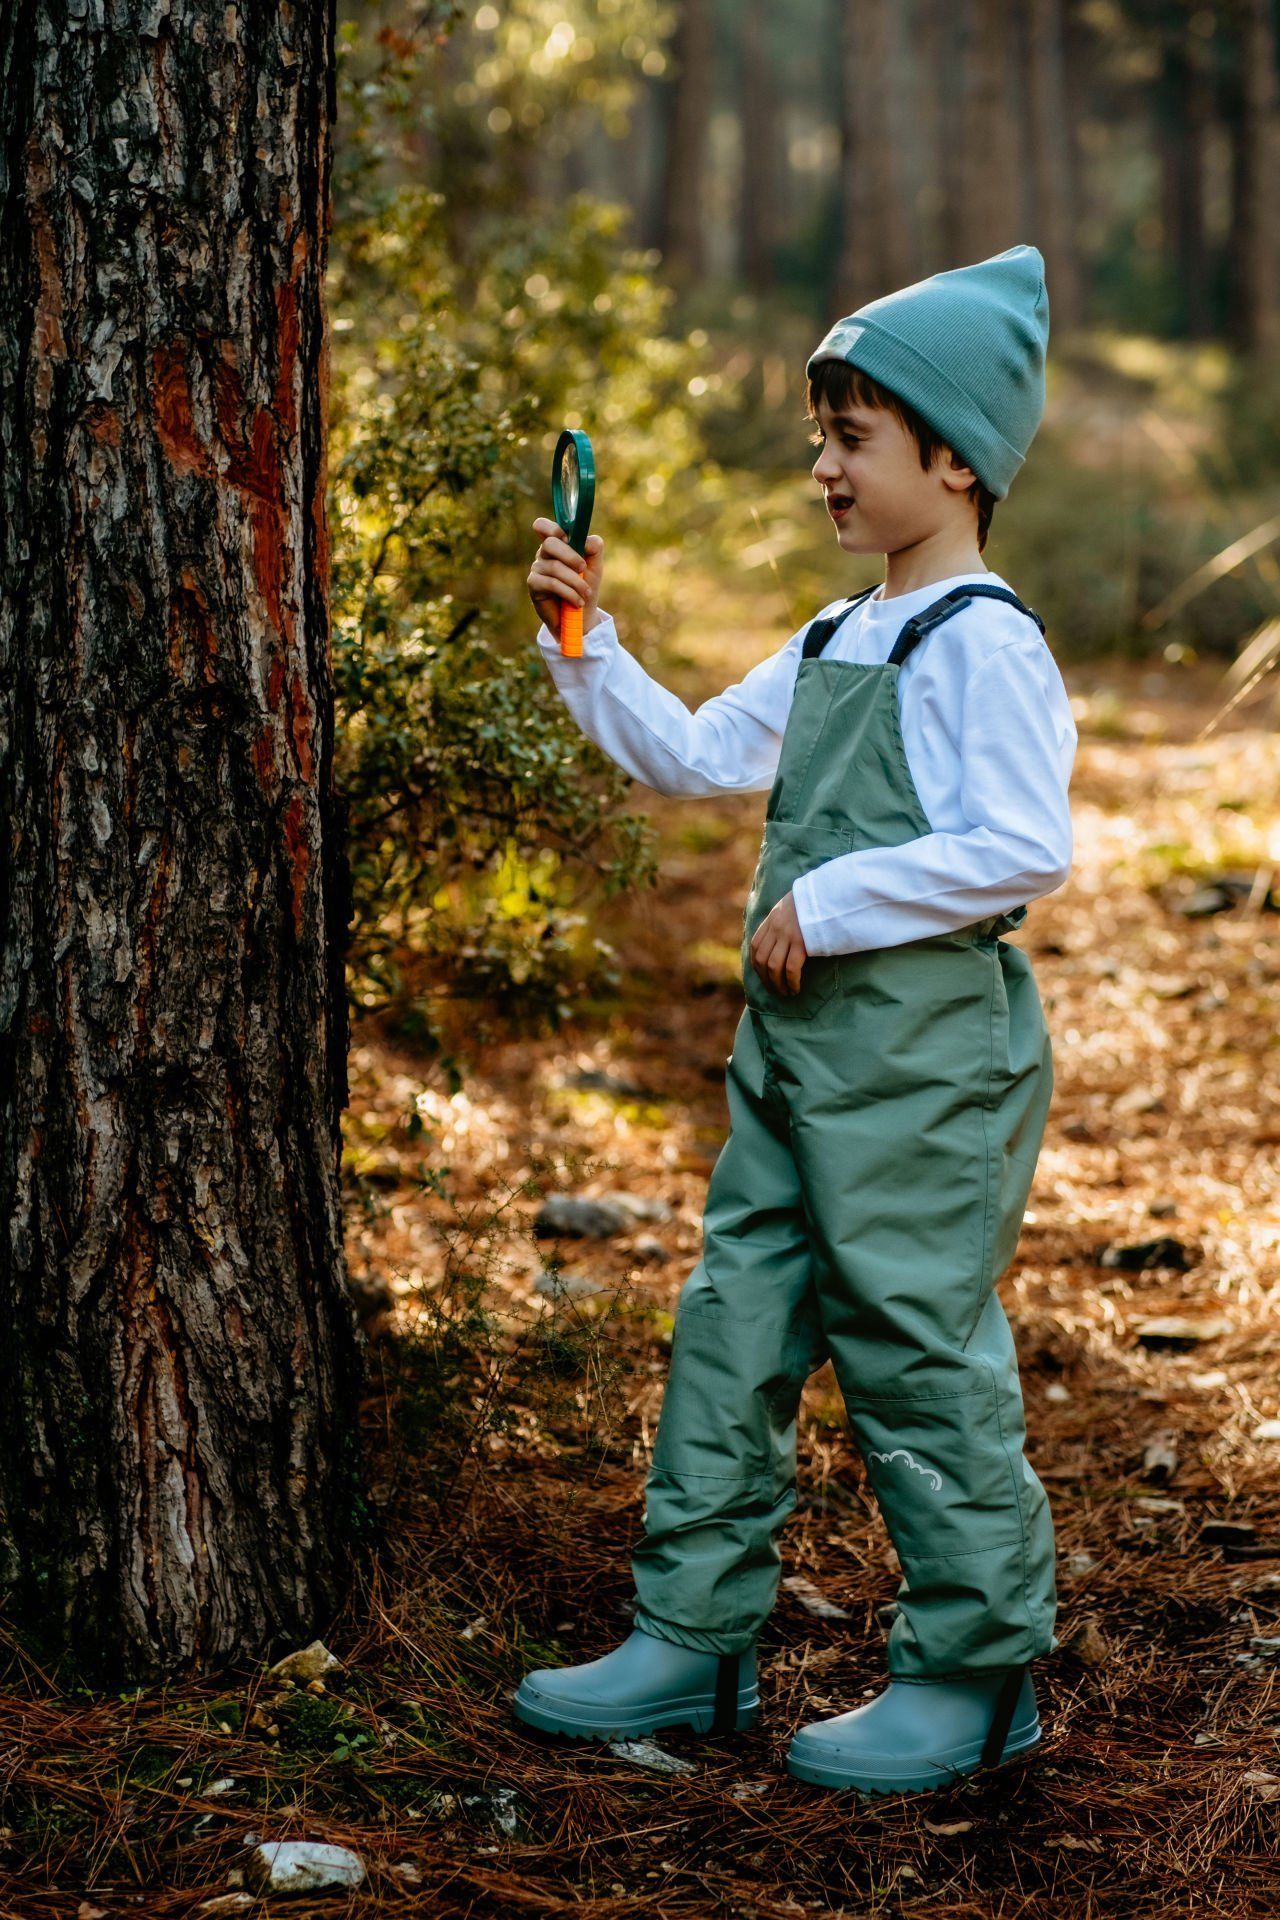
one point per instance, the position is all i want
(561, 581)
(557, 570)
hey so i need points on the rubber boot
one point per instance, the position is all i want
(643, 1685)
(919, 1735)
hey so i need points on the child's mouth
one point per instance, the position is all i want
(838, 505)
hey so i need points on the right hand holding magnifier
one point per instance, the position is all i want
(560, 578)
(564, 582)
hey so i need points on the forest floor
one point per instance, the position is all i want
(1156, 1789)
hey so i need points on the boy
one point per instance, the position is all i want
(890, 1073)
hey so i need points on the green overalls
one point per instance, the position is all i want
(885, 1125)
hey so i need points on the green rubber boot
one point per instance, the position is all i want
(920, 1735)
(642, 1686)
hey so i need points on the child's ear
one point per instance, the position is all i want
(955, 473)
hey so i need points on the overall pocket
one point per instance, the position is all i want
(786, 851)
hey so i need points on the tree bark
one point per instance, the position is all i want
(178, 1377)
(761, 150)
(1053, 223)
(875, 230)
(986, 165)
(688, 101)
(1255, 239)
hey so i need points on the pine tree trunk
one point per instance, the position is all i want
(875, 233)
(986, 165)
(761, 152)
(688, 99)
(1255, 318)
(180, 1363)
(1053, 222)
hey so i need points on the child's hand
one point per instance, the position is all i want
(777, 948)
(558, 574)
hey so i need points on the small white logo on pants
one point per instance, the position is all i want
(900, 1453)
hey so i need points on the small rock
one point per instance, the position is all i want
(1172, 1330)
(1206, 900)
(1265, 1785)
(1140, 1255)
(647, 1753)
(228, 1903)
(647, 1246)
(302, 1866)
(948, 1827)
(221, 1786)
(1162, 1207)
(638, 1207)
(1080, 1563)
(1222, 1533)
(87, 1912)
(589, 1219)
(501, 1806)
(1267, 1430)
(887, 1613)
(306, 1665)
(1217, 1377)
(1160, 1458)
(1087, 1645)
(566, 1286)
(594, 1080)
(409, 1871)
(812, 1600)
(1251, 1550)
(1056, 1392)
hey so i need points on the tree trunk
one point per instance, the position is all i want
(761, 156)
(875, 233)
(1255, 321)
(1182, 106)
(1053, 223)
(178, 1379)
(688, 96)
(986, 165)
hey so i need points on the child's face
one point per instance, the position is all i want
(870, 461)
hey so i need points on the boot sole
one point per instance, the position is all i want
(698, 1712)
(873, 1780)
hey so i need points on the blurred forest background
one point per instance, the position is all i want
(639, 216)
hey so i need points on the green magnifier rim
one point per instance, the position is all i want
(575, 529)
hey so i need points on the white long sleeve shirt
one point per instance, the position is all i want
(990, 742)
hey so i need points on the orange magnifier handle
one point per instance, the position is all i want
(570, 630)
(573, 492)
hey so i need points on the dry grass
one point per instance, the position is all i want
(1150, 1793)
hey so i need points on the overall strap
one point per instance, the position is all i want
(821, 630)
(922, 623)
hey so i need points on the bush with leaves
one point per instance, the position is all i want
(478, 811)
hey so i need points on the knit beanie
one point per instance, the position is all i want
(966, 349)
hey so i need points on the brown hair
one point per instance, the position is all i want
(840, 385)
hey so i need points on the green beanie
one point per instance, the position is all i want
(966, 349)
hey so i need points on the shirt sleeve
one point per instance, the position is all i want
(730, 744)
(1017, 747)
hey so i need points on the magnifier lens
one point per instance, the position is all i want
(569, 482)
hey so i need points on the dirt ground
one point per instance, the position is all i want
(1156, 1790)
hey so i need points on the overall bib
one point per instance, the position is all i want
(885, 1125)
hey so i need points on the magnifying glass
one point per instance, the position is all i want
(573, 494)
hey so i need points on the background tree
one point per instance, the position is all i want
(178, 1471)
